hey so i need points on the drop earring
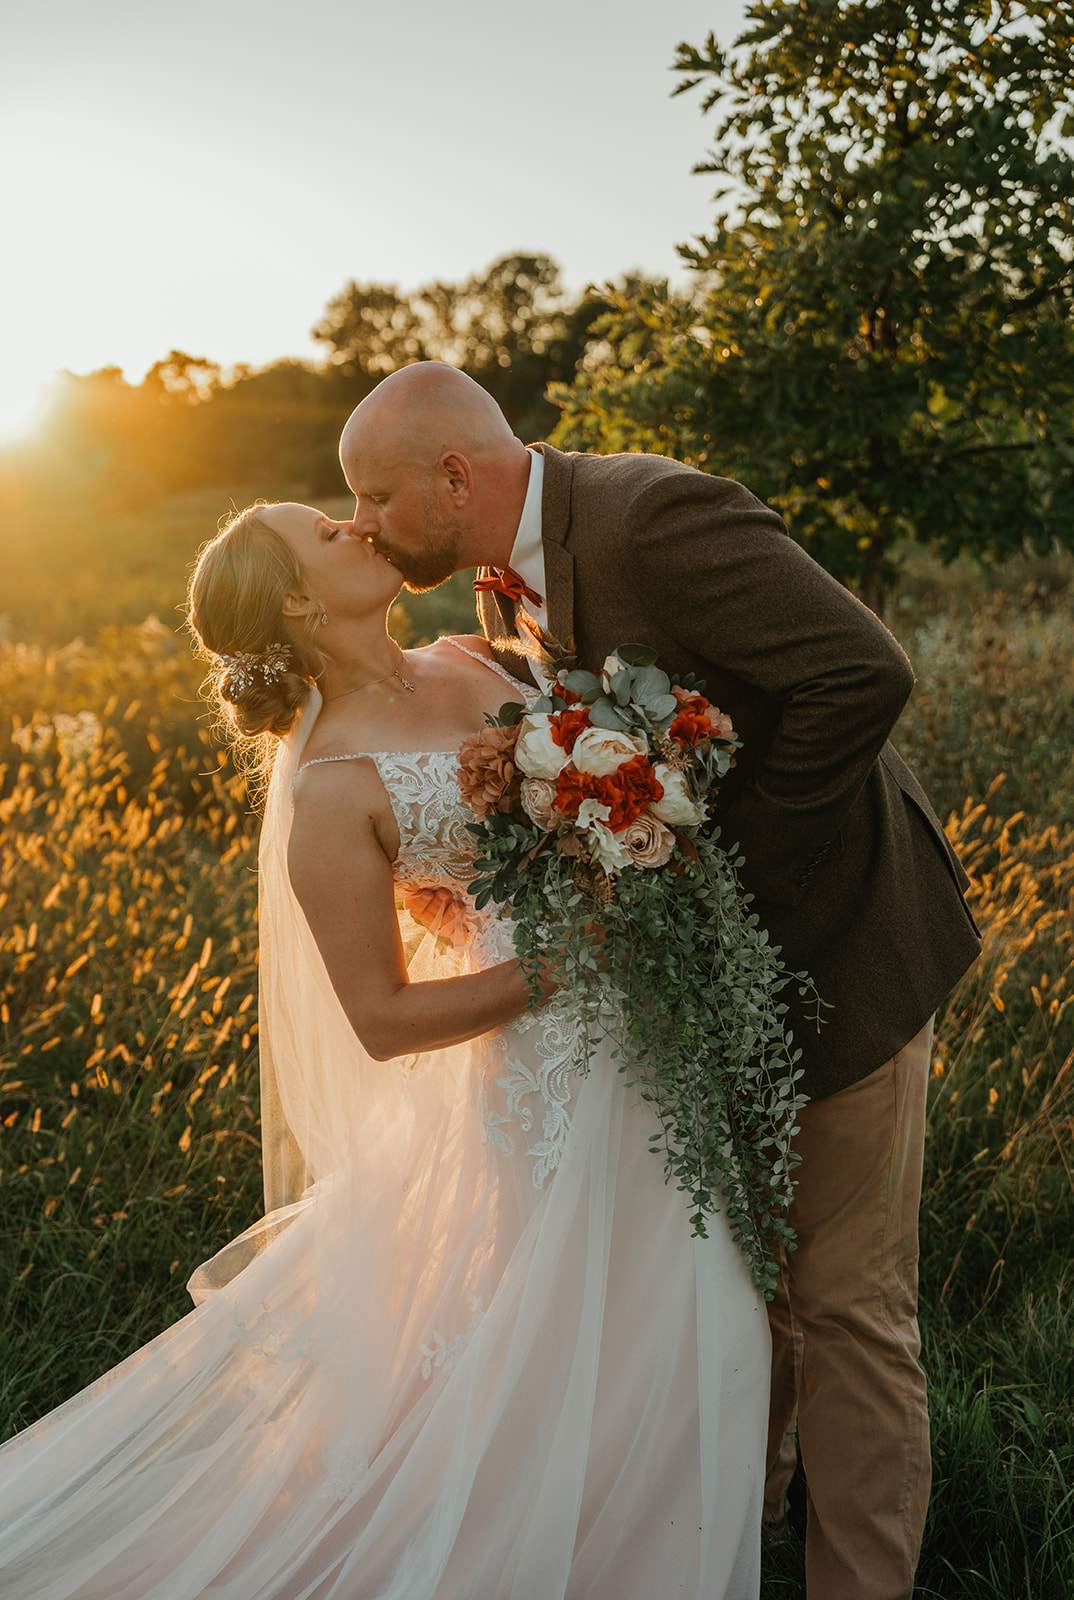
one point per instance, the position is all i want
(324, 618)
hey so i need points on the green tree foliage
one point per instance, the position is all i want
(880, 340)
(372, 329)
(512, 327)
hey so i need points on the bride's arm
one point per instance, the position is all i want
(340, 869)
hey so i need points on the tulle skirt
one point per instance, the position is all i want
(552, 1390)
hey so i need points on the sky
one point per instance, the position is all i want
(206, 175)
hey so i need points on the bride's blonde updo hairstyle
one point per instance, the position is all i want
(261, 663)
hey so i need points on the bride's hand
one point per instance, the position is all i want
(439, 911)
(548, 984)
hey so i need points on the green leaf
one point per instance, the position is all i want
(604, 713)
(636, 655)
(620, 685)
(582, 683)
(650, 683)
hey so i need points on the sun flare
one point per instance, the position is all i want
(22, 411)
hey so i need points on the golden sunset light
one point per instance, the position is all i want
(536, 802)
(22, 409)
(207, 180)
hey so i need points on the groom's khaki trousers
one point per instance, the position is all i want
(845, 1337)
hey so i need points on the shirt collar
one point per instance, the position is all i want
(527, 552)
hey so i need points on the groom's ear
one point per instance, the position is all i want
(459, 474)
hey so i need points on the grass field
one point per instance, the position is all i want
(128, 1033)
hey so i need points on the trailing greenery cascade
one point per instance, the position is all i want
(670, 965)
(683, 980)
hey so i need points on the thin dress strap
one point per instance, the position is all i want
(494, 666)
(319, 761)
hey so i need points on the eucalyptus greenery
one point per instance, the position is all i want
(671, 966)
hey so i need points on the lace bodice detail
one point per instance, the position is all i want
(435, 847)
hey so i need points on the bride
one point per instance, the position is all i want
(472, 1351)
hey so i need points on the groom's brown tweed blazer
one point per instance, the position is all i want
(851, 870)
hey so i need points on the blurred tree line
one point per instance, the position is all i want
(877, 334)
(189, 425)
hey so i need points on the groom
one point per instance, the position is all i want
(851, 873)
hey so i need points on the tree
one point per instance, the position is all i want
(188, 425)
(880, 342)
(371, 330)
(183, 378)
(513, 328)
(280, 423)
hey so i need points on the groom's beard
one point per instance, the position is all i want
(438, 557)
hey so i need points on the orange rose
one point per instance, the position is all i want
(692, 722)
(632, 785)
(571, 789)
(626, 792)
(565, 726)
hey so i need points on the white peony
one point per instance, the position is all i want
(537, 754)
(676, 805)
(600, 751)
(606, 848)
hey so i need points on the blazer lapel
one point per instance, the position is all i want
(555, 524)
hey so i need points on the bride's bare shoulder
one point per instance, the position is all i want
(338, 781)
(340, 806)
(473, 643)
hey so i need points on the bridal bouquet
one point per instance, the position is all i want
(590, 810)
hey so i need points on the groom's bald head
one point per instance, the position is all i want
(423, 410)
(438, 477)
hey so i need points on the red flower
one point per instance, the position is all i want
(572, 788)
(565, 726)
(626, 792)
(635, 784)
(693, 721)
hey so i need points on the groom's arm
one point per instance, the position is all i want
(723, 577)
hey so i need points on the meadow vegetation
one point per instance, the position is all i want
(128, 1019)
(880, 346)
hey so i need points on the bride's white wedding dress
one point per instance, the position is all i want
(472, 1352)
